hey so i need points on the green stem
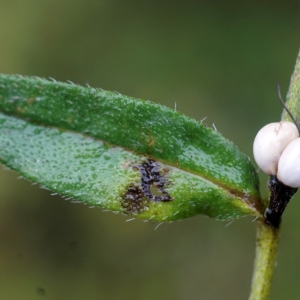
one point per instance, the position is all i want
(265, 257)
(267, 237)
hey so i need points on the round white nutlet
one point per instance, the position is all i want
(289, 165)
(270, 142)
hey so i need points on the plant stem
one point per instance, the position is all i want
(265, 258)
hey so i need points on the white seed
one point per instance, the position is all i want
(289, 165)
(270, 142)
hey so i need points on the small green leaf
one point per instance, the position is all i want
(123, 154)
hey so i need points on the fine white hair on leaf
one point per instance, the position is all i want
(229, 223)
(130, 220)
(203, 119)
(214, 126)
(158, 225)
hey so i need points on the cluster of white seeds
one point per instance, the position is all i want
(276, 150)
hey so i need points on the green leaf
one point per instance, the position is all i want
(123, 154)
(293, 96)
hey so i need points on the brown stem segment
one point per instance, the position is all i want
(265, 258)
(279, 198)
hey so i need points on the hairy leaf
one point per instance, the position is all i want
(122, 154)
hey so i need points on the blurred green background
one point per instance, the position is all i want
(214, 59)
